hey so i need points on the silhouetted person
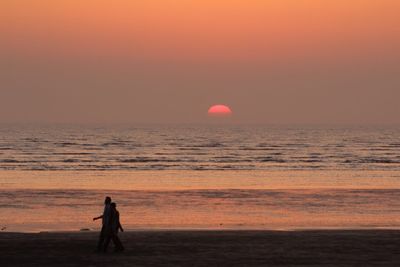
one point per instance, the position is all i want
(106, 224)
(115, 227)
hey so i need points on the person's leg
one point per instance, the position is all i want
(106, 242)
(101, 240)
(118, 243)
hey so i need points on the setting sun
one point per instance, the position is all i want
(219, 110)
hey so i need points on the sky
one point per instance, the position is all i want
(168, 61)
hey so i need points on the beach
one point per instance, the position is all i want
(206, 248)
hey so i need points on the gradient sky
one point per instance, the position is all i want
(271, 61)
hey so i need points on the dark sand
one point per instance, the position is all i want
(206, 248)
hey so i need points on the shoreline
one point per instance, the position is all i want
(207, 229)
(206, 248)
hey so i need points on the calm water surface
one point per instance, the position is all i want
(199, 148)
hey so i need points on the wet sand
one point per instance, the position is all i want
(206, 248)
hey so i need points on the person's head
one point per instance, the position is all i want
(107, 201)
(113, 205)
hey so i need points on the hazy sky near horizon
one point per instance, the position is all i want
(271, 61)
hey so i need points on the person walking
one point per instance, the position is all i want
(115, 227)
(106, 224)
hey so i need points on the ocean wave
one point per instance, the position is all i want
(65, 144)
(72, 153)
(270, 159)
(210, 145)
(71, 160)
(311, 160)
(9, 161)
(146, 160)
(18, 161)
(372, 160)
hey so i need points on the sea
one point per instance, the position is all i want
(276, 177)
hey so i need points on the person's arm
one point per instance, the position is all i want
(119, 223)
(120, 226)
(96, 218)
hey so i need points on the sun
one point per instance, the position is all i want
(219, 111)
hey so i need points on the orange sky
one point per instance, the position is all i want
(206, 29)
(200, 50)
